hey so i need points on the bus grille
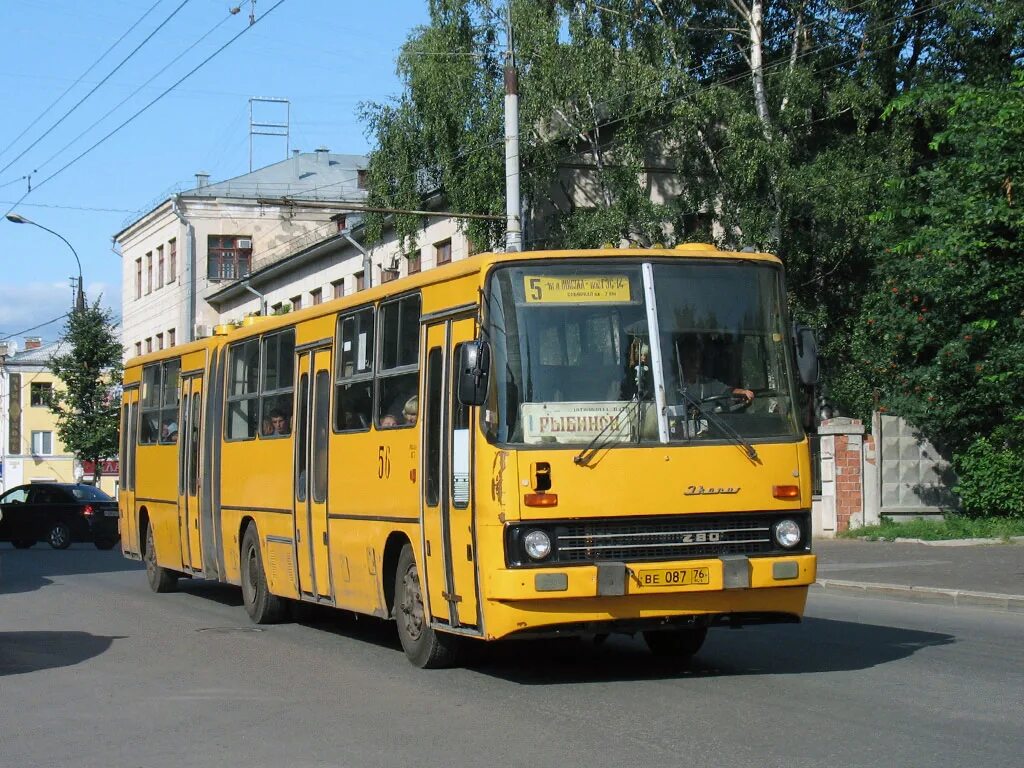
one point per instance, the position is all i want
(678, 539)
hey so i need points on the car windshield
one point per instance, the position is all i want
(89, 493)
(573, 360)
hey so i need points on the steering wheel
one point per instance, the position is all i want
(729, 402)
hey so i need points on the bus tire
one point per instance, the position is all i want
(679, 643)
(262, 606)
(423, 646)
(160, 579)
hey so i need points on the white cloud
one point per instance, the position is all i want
(25, 306)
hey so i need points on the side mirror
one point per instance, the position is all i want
(474, 372)
(806, 354)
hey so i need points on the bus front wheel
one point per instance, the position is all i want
(676, 643)
(262, 606)
(423, 646)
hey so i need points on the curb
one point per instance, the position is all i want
(933, 595)
(945, 542)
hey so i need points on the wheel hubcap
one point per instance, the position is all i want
(57, 536)
(412, 604)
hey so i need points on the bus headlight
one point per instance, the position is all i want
(787, 533)
(537, 544)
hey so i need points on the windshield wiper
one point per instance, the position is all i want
(591, 449)
(723, 425)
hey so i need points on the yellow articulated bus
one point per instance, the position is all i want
(513, 445)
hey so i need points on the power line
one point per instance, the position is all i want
(120, 104)
(81, 77)
(67, 207)
(151, 103)
(110, 74)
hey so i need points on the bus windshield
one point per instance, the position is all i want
(573, 363)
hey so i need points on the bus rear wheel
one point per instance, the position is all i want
(679, 643)
(160, 579)
(423, 646)
(262, 606)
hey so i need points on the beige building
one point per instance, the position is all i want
(193, 244)
(30, 450)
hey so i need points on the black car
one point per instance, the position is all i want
(59, 513)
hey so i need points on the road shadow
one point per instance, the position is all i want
(25, 570)
(815, 646)
(24, 652)
(215, 591)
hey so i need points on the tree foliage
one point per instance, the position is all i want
(789, 125)
(90, 368)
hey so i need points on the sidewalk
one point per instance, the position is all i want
(950, 573)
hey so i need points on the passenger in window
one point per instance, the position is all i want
(411, 409)
(277, 424)
(169, 431)
(388, 420)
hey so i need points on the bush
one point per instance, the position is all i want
(991, 479)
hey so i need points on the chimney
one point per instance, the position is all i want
(202, 179)
(33, 342)
(321, 155)
(296, 152)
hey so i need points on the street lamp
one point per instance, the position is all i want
(80, 298)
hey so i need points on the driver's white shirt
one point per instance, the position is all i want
(705, 387)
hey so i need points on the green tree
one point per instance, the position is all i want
(90, 368)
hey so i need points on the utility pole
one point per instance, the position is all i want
(513, 230)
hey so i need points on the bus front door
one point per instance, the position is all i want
(447, 493)
(189, 455)
(312, 429)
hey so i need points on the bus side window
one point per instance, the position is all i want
(278, 382)
(242, 390)
(398, 373)
(353, 402)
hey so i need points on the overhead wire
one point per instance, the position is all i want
(151, 103)
(81, 77)
(95, 88)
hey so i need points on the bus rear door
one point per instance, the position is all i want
(189, 456)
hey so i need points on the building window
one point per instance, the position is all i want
(339, 288)
(159, 266)
(316, 296)
(138, 348)
(340, 221)
(296, 303)
(159, 341)
(414, 262)
(360, 281)
(388, 274)
(361, 177)
(170, 338)
(172, 261)
(138, 278)
(277, 309)
(228, 257)
(42, 443)
(41, 392)
(149, 344)
(149, 272)
(443, 252)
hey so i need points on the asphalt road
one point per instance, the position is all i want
(95, 670)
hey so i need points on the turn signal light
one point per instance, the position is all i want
(786, 491)
(540, 499)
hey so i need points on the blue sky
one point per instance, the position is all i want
(324, 56)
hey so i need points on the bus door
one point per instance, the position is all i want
(189, 455)
(447, 479)
(312, 429)
(126, 489)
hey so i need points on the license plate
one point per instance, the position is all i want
(672, 577)
(110, 512)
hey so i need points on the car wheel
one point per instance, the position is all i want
(423, 646)
(260, 604)
(676, 643)
(105, 543)
(59, 536)
(23, 543)
(160, 579)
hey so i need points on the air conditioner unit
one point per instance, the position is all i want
(200, 331)
(244, 242)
